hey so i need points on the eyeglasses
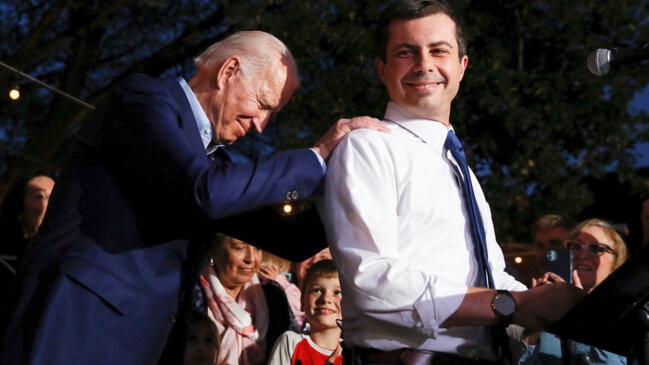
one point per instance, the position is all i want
(597, 249)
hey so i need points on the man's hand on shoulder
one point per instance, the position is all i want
(328, 142)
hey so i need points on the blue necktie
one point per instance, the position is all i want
(475, 220)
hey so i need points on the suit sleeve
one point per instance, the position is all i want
(146, 137)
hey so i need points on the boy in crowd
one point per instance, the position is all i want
(320, 299)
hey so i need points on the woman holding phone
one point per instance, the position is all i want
(597, 250)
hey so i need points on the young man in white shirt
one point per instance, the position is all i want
(395, 218)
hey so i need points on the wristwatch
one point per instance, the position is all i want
(504, 306)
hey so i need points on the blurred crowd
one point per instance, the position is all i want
(259, 308)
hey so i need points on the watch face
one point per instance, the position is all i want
(504, 304)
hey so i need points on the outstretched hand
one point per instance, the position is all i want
(547, 278)
(328, 142)
(550, 277)
(544, 304)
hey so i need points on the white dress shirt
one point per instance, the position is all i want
(399, 235)
(203, 123)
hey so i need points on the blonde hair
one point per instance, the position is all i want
(618, 242)
(268, 259)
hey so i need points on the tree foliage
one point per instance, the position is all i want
(536, 122)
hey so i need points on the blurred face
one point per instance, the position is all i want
(235, 262)
(300, 268)
(37, 196)
(423, 70)
(243, 103)
(547, 239)
(592, 268)
(321, 303)
(202, 345)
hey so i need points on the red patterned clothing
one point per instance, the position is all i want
(308, 353)
(298, 348)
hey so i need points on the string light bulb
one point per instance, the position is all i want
(14, 93)
(287, 208)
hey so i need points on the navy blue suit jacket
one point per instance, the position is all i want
(133, 212)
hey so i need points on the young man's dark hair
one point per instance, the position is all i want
(414, 9)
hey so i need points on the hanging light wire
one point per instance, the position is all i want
(47, 86)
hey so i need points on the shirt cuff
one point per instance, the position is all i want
(433, 311)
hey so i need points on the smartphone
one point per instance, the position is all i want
(560, 262)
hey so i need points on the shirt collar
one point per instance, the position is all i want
(430, 131)
(203, 123)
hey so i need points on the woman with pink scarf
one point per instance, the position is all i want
(250, 312)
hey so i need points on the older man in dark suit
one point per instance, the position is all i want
(142, 197)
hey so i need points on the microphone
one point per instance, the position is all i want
(603, 61)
